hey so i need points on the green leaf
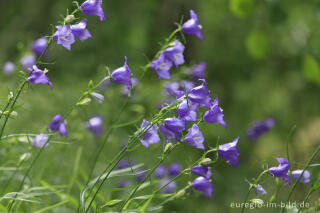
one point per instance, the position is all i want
(111, 203)
(257, 44)
(311, 69)
(241, 8)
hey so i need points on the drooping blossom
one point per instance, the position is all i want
(175, 53)
(171, 88)
(200, 94)
(195, 137)
(198, 70)
(174, 169)
(27, 62)
(122, 75)
(40, 141)
(126, 91)
(39, 45)
(259, 190)
(305, 178)
(281, 170)
(202, 170)
(187, 111)
(94, 125)
(97, 97)
(172, 128)
(79, 30)
(93, 8)
(230, 152)
(9, 68)
(160, 171)
(64, 36)
(161, 66)
(39, 77)
(150, 136)
(192, 26)
(170, 188)
(203, 185)
(259, 128)
(58, 124)
(214, 114)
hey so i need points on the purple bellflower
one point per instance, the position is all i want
(305, 178)
(187, 111)
(150, 136)
(140, 174)
(175, 53)
(64, 36)
(122, 75)
(124, 183)
(198, 70)
(27, 62)
(161, 66)
(259, 190)
(170, 188)
(172, 128)
(214, 114)
(203, 185)
(200, 94)
(40, 141)
(259, 128)
(79, 30)
(281, 170)
(97, 97)
(186, 85)
(192, 26)
(94, 125)
(202, 170)
(124, 163)
(174, 169)
(39, 77)
(126, 91)
(9, 68)
(93, 8)
(195, 137)
(230, 152)
(160, 171)
(39, 45)
(171, 88)
(58, 124)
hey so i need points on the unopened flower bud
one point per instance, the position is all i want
(25, 156)
(84, 101)
(257, 201)
(206, 161)
(180, 193)
(69, 19)
(168, 147)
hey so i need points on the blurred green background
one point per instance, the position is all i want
(262, 60)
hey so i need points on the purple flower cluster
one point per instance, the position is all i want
(259, 128)
(162, 173)
(59, 125)
(203, 183)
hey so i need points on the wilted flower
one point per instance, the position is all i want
(198, 70)
(259, 128)
(214, 114)
(40, 141)
(174, 169)
(305, 178)
(9, 68)
(175, 53)
(192, 26)
(202, 170)
(281, 170)
(122, 75)
(160, 171)
(64, 36)
(194, 137)
(39, 45)
(27, 62)
(93, 8)
(161, 66)
(172, 128)
(170, 188)
(58, 124)
(259, 190)
(203, 185)
(79, 30)
(98, 97)
(150, 136)
(94, 125)
(39, 77)
(200, 94)
(230, 152)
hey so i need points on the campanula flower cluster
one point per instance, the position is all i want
(203, 183)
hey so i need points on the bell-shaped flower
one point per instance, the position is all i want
(168, 189)
(175, 53)
(305, 178)
(195, 137)
(9, 68)
(126, 91)
(122, 75)
(192, 26)
(40, 141)
(94, 125)
(203, 185)
(58, 124)
(27, 62)
(259, 128)
(259, 190)
(160, 171)
(140, 174)
(97, 97)
(39, 77)
(281, 170)
(64, 36)
(174, 169)
(93, 8)
(150, 136)
(79, 30)
(214, 114)
(200, 94)
(39, 45)
(171, 88)
(198, 70)
(230, 152)
(202, 170)
(172, 128)
(187, 111)
(161, 66)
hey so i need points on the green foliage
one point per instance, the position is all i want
(311, 69)
(257, 44)
(241, 8)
